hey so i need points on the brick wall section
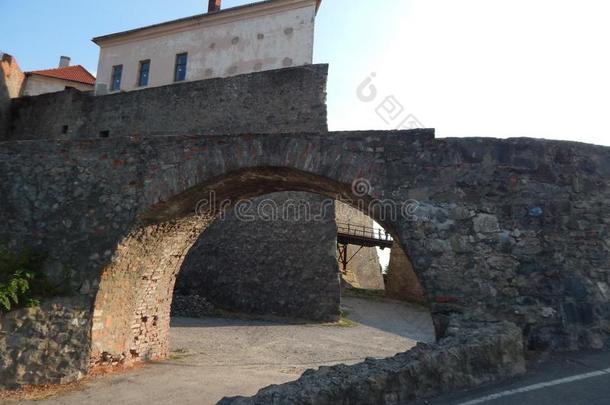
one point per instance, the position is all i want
(131, 324)
(276, 101)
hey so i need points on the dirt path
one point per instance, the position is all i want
(213, 358)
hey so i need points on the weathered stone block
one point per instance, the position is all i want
(484, 223)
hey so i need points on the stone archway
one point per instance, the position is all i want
(280, 255)
(132, 306)
(503, 229)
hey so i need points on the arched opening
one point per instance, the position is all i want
(371, 261)
(362, 247)
(132, 308)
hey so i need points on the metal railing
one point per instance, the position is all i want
(362, 231)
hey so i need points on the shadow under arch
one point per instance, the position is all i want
(131, 313)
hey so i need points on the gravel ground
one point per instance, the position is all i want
(212, 358)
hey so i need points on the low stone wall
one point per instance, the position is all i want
(192, 306)
(45, 345)
(469, 356)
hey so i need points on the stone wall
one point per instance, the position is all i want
(471, 355)
(192, 306)
(270, 102)
(45, 345)
(514, 229)
(276, 101)
(282, 264)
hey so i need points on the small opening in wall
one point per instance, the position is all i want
(64, 129)
(104, 134)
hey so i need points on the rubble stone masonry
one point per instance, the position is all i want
(510, 230)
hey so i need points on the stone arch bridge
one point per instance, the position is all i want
(496, 230)
(504, 229)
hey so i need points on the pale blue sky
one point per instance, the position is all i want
(499, 68)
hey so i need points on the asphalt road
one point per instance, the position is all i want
(562, 379)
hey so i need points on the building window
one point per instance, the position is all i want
(117, 73)
(104, 134)
(180, 72)
(144, 73)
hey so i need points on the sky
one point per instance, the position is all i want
(490, 68)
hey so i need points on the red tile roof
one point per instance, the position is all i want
(71, 73)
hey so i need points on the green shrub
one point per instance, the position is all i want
(22, 280)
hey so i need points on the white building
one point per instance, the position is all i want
(58, 79)
(260, 36)
(18, 84)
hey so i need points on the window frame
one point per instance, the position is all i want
(112, 78)
(177, 65)
(140, 71)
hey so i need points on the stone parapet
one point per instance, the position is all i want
(471, 355)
